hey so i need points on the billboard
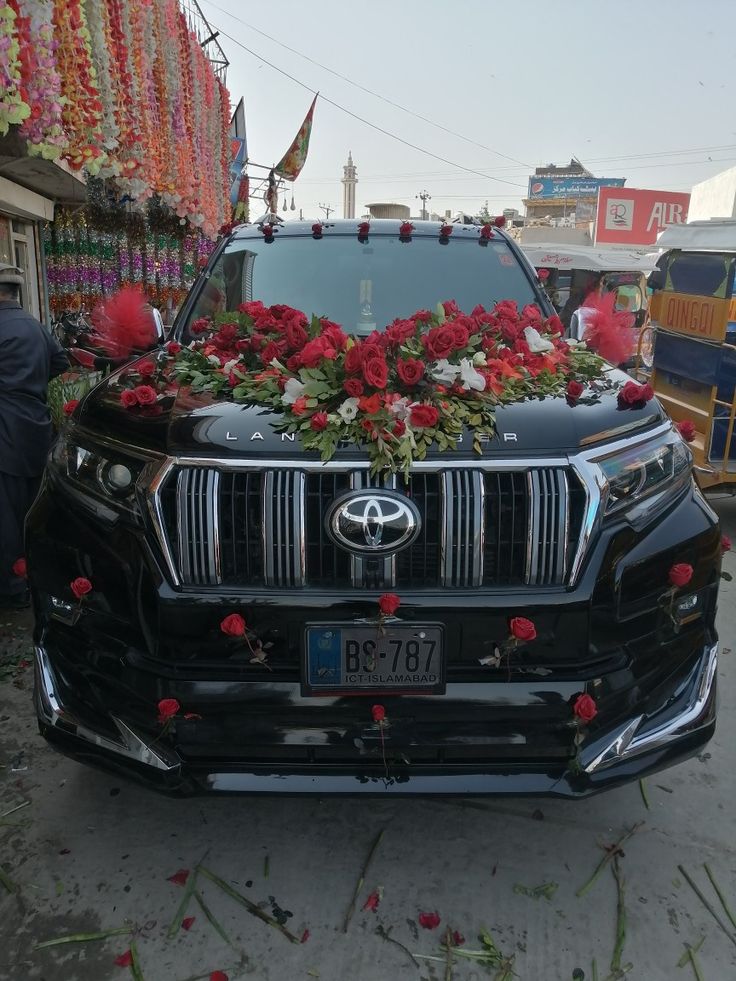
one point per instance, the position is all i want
(636, 217)
(559, 188)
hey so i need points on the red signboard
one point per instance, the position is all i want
(627, 216)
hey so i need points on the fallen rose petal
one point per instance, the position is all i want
(124, 960)
(179, 878)
(20, 568)
(373, 900)
(430, 921)
(189, 716)
(457, 939)
(305, 936)
(187, 922)
(725, 544)
(218, 976)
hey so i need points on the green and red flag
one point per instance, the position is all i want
(290, 165)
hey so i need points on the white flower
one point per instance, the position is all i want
(444, 372)
(229, 365)
(574, 342)
(400, 408)
(479, 358)
(537, 343)
(472, 379)
(293, 390)
(213, 359)
(348, 410)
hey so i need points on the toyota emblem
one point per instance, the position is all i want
(373, 522)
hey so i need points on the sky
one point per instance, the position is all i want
(641, 89)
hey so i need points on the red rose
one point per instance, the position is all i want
(363, 229)
(128, 398)
(543, 274)
(388, 604)
(233, 625)
(300, 406)
(584, 708)
(269, 352)
(499, 221)
(680, 574)
(167, 709)
(145, 394)
(319, 421)
(70, 406)
(200, 325)
(317, 229)
(80, 587)
(461, 335)
(375, 372)
(20, 568)
(296, 335)
(354, 387)
(430, 921)
(399, 428)
(439, 342)
(410, 371)
(146, 368)
(574, 390)
(370, 404)
(445, 231)
(173, 347)
(634, 394)
(424, 416)
(316, 351)
(486, 232)
(405, 229)
(725, 544)
(378, 713)
(401, 330)
(522, 629)
(354, 359)
(687, 430)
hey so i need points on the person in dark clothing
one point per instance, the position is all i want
(29, 358)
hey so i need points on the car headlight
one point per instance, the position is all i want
(645, 470)
(100, 471)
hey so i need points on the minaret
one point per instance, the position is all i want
(349, 180)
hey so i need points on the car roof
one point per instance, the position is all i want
(349, 226)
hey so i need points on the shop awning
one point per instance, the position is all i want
(51, 179)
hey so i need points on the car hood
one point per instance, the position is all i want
(188, 424)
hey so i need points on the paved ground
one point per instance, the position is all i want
(88, 853)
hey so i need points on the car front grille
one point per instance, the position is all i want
(266, 528)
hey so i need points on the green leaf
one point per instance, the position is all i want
(81, 938)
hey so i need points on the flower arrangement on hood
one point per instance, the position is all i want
(425, 380)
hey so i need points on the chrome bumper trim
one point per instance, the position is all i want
(56, 716)
(633, 740)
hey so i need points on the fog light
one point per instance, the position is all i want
(116, 478)
(688, 608)
(66, 612)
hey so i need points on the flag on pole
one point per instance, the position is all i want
(290, 165)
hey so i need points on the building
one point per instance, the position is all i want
(566, 194)
(714, 198)
(349, 180)
(389, 210)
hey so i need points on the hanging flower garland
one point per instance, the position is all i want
(43, 127)
(13, 109)
(82, 108)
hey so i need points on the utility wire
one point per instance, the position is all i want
(357, 85)
(366, 122)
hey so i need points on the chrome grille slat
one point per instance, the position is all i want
(481, 527)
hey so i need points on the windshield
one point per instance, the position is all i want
(362, 286)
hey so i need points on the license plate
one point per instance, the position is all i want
(349, 658)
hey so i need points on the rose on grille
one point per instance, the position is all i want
(522, 629)
(680, 574)
(233, 625)
(167, 709)
(585, 708)
(388, 604)
(80, 587)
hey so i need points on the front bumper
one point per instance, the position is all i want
(642, 744)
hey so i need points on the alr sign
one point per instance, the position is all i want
(633, 217)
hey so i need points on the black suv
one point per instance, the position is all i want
(572, 518)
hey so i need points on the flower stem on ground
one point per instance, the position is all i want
(706, 903)
(361, 881)
(643, 791)
(620, 917)
(720, 895)
(610, 852)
